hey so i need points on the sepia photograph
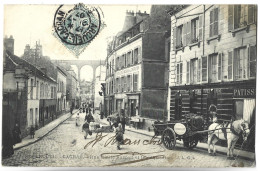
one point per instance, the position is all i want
(129, 85)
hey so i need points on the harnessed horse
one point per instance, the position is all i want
(230, 133)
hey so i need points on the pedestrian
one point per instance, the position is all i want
(17, 134)
(85, 128)
(119, 135)
(77, 120)
(71, 109)
(32, 131)
(123, 122)
(117, 121)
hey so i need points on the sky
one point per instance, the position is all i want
(30, 23)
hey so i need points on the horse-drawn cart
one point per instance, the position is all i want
(190, 130)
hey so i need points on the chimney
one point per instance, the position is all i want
(130, 20)
(141, 16)
(9, 44)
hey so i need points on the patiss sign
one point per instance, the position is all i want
(244, 92)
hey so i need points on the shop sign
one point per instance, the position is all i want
(244, 92)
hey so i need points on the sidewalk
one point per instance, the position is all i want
(40, 133)
(203, 146)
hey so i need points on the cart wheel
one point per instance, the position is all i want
(169, 138)
(190, 143)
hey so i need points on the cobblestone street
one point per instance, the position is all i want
(64, 146)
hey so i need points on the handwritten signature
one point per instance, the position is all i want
(112, 140)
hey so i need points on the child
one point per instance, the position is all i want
(77, 120)
(119, 135)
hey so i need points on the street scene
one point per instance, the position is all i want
(66, 148)
(129, 86)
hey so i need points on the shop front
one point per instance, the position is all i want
(231, 101)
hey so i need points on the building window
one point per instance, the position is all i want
(194, 30)
(125, 86)
(128, 83)
(204, 66)
(119, 84)
(37, 90)
(188, 73)
(31, 117)
(31, 91)
(199, 70)
(213, 26)
(230, 65)
(240, 16)
(179, 73)
(135, 82)
(252, 61)
(179, 37)
(193, 71)
(213, 68)
(240, 63)
(135, 56)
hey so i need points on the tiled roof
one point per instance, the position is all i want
(12, 61)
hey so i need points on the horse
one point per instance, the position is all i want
(230, 133)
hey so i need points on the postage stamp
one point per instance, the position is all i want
(76, 26)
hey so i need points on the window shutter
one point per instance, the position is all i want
(251, 13)
(230, 17)
(174, 38)
(180, 73)
(139, 54)
(220, 66)
(188, 73)
(200, 26)
(188, 35)
(211, 23)
(252, 61)
(235, 64)
(184, 32)
(204, 68)
(215, 21)
(199, 70)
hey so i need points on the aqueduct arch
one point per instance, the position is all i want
(81, 63)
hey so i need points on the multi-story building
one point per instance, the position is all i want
(72, 89)
(35, 93)
(137, 67)
(213, 62)
(61, 90)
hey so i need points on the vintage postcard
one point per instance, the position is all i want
(130, 85)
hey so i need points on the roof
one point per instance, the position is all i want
(15, 61)
(61, 70)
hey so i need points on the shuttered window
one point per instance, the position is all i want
(179, 37)
(200, 26)
(188, 73)
(230, 65)
(199, 70)
(220, 66)
(194, 30)
(240, 63)
(240, 16)
(213, 31)
(135, 82)
(204, 68)
(252, 61)
(179, 73)
(193, 71)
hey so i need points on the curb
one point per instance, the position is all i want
(39, 138)
(198, 147)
